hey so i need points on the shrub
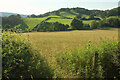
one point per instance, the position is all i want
(21, 60)
(92, 61)
(110, 59)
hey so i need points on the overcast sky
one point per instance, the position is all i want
(43, 6)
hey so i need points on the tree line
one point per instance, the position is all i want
(77, 24)
(47, 26)
(13, 22)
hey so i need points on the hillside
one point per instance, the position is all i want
(64, 16)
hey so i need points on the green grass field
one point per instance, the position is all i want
(32, 22)
(63, 21)
(88, 21)
(65, 14)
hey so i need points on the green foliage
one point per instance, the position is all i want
(84, 63)
(86, 26)
(19, 15)
(13, 21)
(20, 60)
(94, 25)
(46, 26)
(103, 24)
(91, 16)
(113, 22)
(110, 59)
(77, 24)
(33, 16)
(78, 16)
(6, 27)
(110, 22)
(112, 12)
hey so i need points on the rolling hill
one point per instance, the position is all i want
(63, 15)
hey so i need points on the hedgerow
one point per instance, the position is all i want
(20, 60)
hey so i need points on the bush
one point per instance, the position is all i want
(21, 60)
(110, 59)
(92, 62)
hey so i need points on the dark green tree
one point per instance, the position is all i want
(113, 22)
(94, 25)
(33, 16)
(14, 20)
(79, 16)
(86, 26)
(19, 15)
(77, 24)
(102, 24)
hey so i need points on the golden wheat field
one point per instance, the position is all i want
(48, 42)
